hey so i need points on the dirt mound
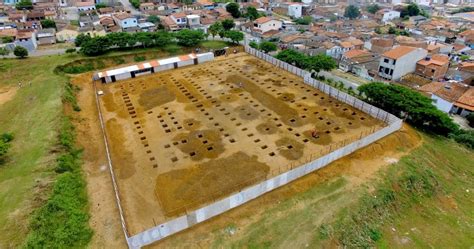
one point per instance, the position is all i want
(200, 144)
(290, 148)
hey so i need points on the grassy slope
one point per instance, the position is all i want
(443, 220)
(446, 219)
(32, 116)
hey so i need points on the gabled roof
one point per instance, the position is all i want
(123, 16)
(466, 100)
(263, 19)
(398, 52)
(356, 53)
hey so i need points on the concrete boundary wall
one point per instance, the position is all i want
(191, 218)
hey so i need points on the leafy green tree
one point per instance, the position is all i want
(373, 8)
(24, 4)
(267, 46)
(414, 107)
(135, 3)
(189, 38)
(162, 38)
(20, 52)
(413, 9)
(234, 36)
(470, 119)
(352, 12)
(233, 9)
(320, 62)
(228, 24)
(378, 30)
(81, 38)
(4, 52)
(144, 38)
(305, 20)
(47, 23)
(100, 5)
(215, 29)
(119, 39)
(7, 39)
(253, 44)
(252, 13)
(96, 46)
(392, 30)
(153, 19)
(292, 57)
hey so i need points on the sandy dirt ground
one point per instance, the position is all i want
(358, 168)
(105, 219)
(183, 138)
(7, 94)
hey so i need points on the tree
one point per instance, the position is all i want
(234, 36)
(96, 46)
(411, 105)
(268, 46)
(135, 3)
(189, 38)
(253, 44)
(81, 38)
(20, 52)
(24, 4)
(48, 23)
(153, 19)
(233, 9)
(305, 20)
(252, 13)
(320, 62)
(378, 30)
(292, 57)
(4, 52)
(100, 5)
(470, 119)
(215, 29)
(413, 9)
(7, 39)
(373, 8)
(392, 30)
(351, 12)
(228, 24)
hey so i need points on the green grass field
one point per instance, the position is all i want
(32, 115)
(318, 217)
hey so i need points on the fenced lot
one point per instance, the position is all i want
(182, 139)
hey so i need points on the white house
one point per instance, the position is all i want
(295, 10)
(389, 15)
(451, 97)
(193, 20)
(265, 24)
(85, 6)
(400, 61)
(179, 19)
(125, 20)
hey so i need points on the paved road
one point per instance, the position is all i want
(128, 7)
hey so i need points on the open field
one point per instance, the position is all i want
(186, 137)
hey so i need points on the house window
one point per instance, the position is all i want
(386, 60)
(381, 69)
(124, 22)
(432, 70)
(391, 72)
(387, 70)
(394, 61)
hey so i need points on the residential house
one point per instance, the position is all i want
(467, 38)
(433, 67)
(46, 36)
(399, 61)
(68, 34)
(353, 57)
(27, 40)
(295, 10)
(379, 45)
(446, 96)
(85, 6)
(126, 21)
(387, 15)
(265, 24)
(179, 19)
(194, 21)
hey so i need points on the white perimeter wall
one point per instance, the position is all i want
(191, 218)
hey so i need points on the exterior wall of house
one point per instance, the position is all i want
(270, 25)
(295, 11)
(128, 23)
(442, 104)
(432, 71)
(395, 69)
(86, 8)
(390, 15)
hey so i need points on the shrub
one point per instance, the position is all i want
(70, 50)
(139, 58)
(464, 137)
(470, 119)
(20, 52)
